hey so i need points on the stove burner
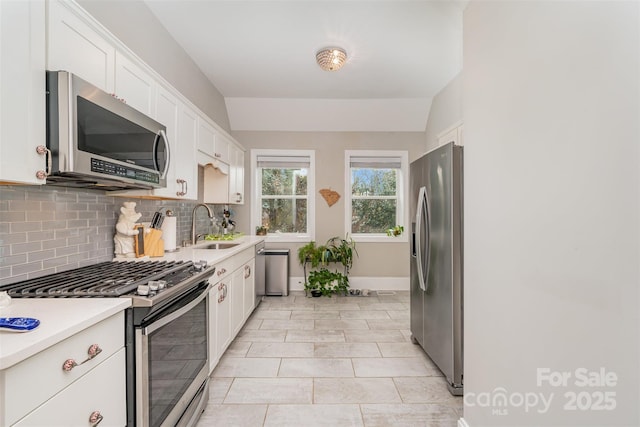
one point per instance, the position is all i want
(107, 279)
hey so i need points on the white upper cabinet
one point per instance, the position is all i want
(236, 176)
(77, 47)
(185, 153)
(135, 86)
(22, 85)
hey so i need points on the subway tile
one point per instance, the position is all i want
(54, 262)
(66, 250)
(26, 268)
(17, 227)
(4, 206)
(19, 216)
(34, 236)
(8, 239)
(77, 223)
(78, 257)
(24, 205)
(56, 243)
(40, 255)
(39, 195)
(62, 196)
(87, 215)
(76, 207)
(13, 279)
(66, 215)
(67, 232)
(21, 248)
(40, 273)
(77, 240)
(54, 225)
(10, 193)
(14, 259)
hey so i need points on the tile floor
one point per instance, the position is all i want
(340, 361)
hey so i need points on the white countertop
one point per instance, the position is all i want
(198, 252)
(62, 317)
(59, 318)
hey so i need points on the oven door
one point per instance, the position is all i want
(172, 354)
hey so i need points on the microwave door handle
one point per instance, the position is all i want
(161, 135)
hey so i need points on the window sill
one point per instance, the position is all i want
(288, 238)
(379, 238)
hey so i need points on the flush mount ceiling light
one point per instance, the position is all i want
(331, 58)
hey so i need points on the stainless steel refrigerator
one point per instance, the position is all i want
(436, 259)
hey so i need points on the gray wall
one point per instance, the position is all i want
(136, 26)
(375, 259)
(446, 110)
(552, 210)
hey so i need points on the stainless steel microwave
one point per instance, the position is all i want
(95, 140)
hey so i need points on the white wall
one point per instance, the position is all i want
(446, 111)
(552, 189)
(137, 27)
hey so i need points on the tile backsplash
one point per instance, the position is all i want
(46, 229)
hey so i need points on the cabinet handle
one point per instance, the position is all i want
(69, 364)
(239, 197)
(42, 174)
(225, 292)
(95, 418)
(186, 187)
(222, 271)
(247, 271)
(182, 183)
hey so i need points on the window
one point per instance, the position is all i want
(376, 194)
(283, 187)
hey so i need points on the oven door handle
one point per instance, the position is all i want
(174, 315)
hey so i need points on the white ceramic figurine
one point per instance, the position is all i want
(123, 240)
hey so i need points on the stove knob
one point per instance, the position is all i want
(162, 284)
(143, 290)
(200, 265)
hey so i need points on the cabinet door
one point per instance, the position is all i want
(213, 312)
(22, 107)
(237, 300)
(223, 315)
(249, 286)
(134, 85)
(100, 390)
(167, 110)
(206, 137)
(236, 182)
(185, 152)
(221, 148)
(76, 47)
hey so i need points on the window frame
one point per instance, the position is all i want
(256, 195)
(402, 192)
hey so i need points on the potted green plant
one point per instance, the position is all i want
(261, 230)
(321, 280)
(395, 231)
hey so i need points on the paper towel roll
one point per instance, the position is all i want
(168, 228)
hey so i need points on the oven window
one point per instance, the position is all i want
(106, 134)
(177, 352)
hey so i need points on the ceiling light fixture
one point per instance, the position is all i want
(331, 58)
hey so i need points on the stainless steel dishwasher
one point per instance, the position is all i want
(276, 272)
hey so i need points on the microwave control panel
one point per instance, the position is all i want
(108, 168)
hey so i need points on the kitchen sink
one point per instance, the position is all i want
(220, 245)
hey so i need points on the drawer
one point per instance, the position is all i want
(36, 379)
(102, 389)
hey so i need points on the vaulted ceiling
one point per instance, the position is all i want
(260, 55)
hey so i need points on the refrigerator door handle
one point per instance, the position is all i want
(423, 271)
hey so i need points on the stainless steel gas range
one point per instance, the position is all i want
(166, 331)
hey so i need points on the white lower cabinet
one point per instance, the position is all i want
(66, 383)
(98, 395)
(232, 300)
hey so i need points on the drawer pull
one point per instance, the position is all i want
(247, 271)
(95, 418)
(93, 351)
(69, 364)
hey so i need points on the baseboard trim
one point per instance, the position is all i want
(462, 423)
(362, 282)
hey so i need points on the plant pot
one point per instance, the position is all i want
(316, 293)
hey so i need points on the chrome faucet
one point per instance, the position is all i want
(194, 236)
